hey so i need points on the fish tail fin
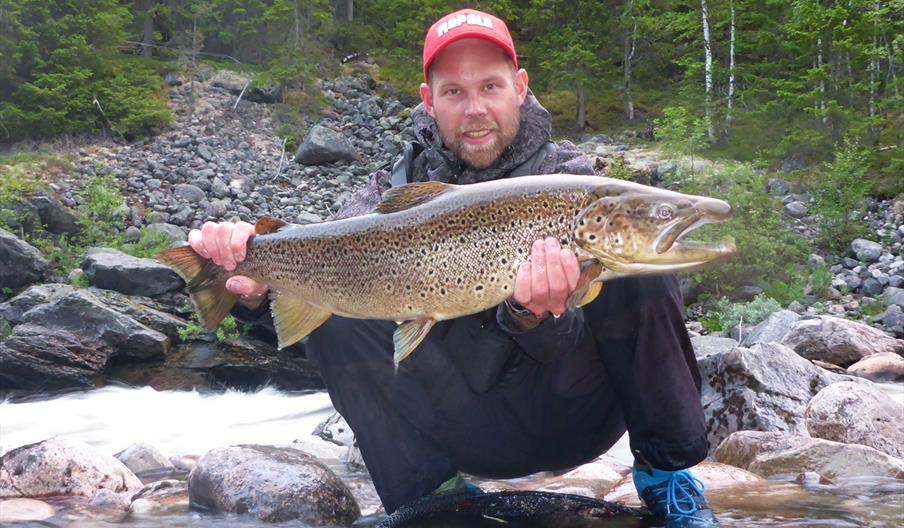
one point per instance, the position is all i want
(206, 284)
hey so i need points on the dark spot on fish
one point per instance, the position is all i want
(442, 291)
(599, 220)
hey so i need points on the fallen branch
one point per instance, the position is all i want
(240, 98)
(282, 158)
(890, 147)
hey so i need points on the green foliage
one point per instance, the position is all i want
(66, 74)
(768, 252)
(228, 330)
(725, 315)
(102, 212)
(148, 245)
(788, 289)
(839, 198)
(821, 280)
(5, 328)
(81, 281)
(192, 330)
(681, 133)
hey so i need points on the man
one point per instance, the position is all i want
(526, 386)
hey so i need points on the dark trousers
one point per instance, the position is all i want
(633, 369)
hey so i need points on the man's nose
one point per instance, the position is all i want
(475, 106)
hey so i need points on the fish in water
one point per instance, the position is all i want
(434, 251)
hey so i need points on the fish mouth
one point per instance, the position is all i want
(669, 243)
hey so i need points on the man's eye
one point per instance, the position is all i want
(491, 86)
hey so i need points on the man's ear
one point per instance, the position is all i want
(521, 80)
(427, 98)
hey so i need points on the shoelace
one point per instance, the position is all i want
(682, 488)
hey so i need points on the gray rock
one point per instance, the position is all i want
(132, 234)
(12, 310)
(182, 216)
(856, 413)
(152, 313)
(866, 250)
(324, 146)
(82, 314)
(708, 345)
(55, 217)
(769, 454)
(205, 153)
(849, 263)
(815, 261)
(163, 497)
(336, 430)
(188, 193)
(173, 232)
(772, 330)
(778, 187)
(882, 367)
(20, 263)
(764, 388)
(273, 484)
(308, 218)
(229, 80)
(22, 510)
(796, 210)
(219, 188)
(144, 459)
(893, 296)
(60, 466)
(852, 281)
(745, 293)
(114, 270)
(838, 341)
(36, 358)
(871, 287)
(893, 320)
(895, 281)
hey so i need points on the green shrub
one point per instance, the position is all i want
(820, 281)
(838, 195)
(681, 133)
(102, 213)
(725, 315)
(148, 245)
(768, 252)
(191, 331)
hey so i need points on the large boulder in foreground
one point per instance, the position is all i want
(112, 269)
(20, 263)
(12, 310)
(60, 466)
(770, 454)
(772, 330)
(325, 146)
(763, 388)
(857, 413)
(274, 484)
(838, 341)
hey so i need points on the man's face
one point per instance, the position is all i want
(475, 96)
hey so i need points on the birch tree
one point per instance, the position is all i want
(731, 69)
(707, 49)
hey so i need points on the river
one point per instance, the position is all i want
(191, 423)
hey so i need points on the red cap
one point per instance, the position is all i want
(463, 24)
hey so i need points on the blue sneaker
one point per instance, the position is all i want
(674, 496)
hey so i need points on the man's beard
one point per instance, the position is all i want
(482, 155)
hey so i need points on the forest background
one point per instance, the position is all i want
(808, 88)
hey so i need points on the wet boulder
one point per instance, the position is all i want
(771, 453)
(708, 345)
(832, 460)
(881, 367)
(36, 358)
(145, 460)
(85, 316)
(336, 430)
(322, 146)
(838, 341)
(114, 270)
(20, 262)
(592, 479)
(274, 484)
(765, 388)
(163, 497)
(22, 510)
(857, 413)
(60, 466)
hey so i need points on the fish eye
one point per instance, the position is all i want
(665, 212)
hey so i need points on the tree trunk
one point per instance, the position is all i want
(822, 82)
(581, 117)
(731, 71)
(709, 74)
(629, 57)
(146, 10)
(344, 10)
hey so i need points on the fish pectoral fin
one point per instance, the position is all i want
(294, 318)
(407, 196)
(267, 224)
(408, 336)
(588, 287)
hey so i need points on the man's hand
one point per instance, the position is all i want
(546, 281)
(225, 243)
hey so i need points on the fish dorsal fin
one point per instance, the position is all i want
(294, 318)
(267, 224)
(408, 336)
(407, 196)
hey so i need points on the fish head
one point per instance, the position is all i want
(634, 229)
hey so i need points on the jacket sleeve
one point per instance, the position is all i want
(568, 160)
(548, 340)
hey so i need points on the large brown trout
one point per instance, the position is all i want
(434, 251)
